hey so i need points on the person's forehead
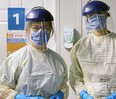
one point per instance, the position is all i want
(97, 13)
(40, 23)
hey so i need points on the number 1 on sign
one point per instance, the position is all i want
(17, 18)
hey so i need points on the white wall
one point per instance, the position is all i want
(69, 17)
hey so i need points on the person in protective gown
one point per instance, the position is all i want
(93, 57)
(35, 71)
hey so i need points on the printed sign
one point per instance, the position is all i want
(14, 42)
(16, 17)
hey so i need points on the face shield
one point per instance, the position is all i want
(39, 27)
(98, 22)
(40, 33)
(96, 18)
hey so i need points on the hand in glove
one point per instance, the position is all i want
(113, 96)
(59, 95)
(85, 95)
(21, 96)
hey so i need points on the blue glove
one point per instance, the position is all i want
(59, 95)
(85, 95)
(21, 96)
(113, 96)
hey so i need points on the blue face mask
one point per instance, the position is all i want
(97, 22)
(40, 37)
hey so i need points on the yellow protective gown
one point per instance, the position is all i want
(43, 73)
(94, 65)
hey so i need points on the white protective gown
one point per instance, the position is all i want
(43, 73)
(94, 65)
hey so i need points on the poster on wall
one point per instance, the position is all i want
(16, 18)
(15, 41)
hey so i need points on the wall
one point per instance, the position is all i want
(69, 17)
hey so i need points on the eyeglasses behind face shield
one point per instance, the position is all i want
(38, 27)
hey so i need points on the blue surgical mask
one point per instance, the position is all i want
(97, 22)
(40, 37)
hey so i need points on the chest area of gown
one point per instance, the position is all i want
(98, 51)
(42, 64)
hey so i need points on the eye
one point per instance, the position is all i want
(35, 27)
(46, 27)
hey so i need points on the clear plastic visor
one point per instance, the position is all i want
(100, 23)
(39, 33)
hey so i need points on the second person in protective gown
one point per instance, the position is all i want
(93, 69)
